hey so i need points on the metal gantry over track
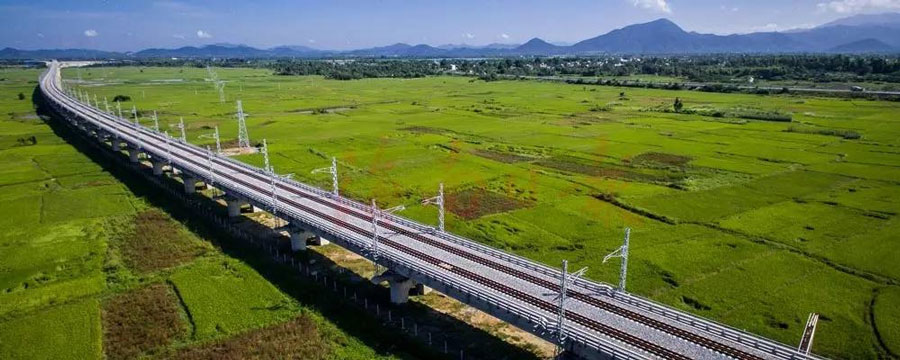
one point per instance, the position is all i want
(621, 252)
(333, 170)
(439, 202)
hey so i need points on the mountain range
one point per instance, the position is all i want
(876, 33)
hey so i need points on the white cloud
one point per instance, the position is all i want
(655, 5)
(504, 36)
(311, 41)
(855, 6)
(468, 36)
(178, 36)
(203, 34)
(40, 35)
(91, 33)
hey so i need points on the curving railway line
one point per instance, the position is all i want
(603, 323)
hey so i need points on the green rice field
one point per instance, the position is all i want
(91, 270)
(752, 210)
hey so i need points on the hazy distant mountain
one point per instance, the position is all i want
(217, 51)
(856, 34)
(290, 50)
(537, 46)
(824, 38)
(500, 46)
(665, 37)
(10, 53)
(866, 46)
(885, 19)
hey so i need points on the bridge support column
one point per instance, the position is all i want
(158, 167)
(234, 206)
(400, 286)
(190, 184)
(116, 145)
(299, 236)
(133, 154)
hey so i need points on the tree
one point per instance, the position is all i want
(21, 96)
(678, 105)
(121, 98)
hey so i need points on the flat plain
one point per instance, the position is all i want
(736, 214)
(91, 268)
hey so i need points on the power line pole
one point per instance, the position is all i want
(155, 122)
(439, 202)
(377, 214)
(808, 333)
(265, 152)
(168, 148)
(243, 136)
(218, 142)
(564, 281)
(334, 176)
(220, 87)
(621, 252)
(119, 108)
(209, 164)
(181, 126)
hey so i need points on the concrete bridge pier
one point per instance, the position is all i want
(234, 205)
(158, 166)
(299, 237)
(116, 145)
(190, 184)
(400, 286)
(133, 154)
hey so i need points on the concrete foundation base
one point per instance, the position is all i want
(318, 240)
(420, 289)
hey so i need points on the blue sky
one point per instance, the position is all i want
(124, 25)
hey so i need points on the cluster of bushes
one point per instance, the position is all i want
(741, 113)
(26, 141)
(846, 134)
(356, 69)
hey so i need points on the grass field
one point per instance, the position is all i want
(90, 269)
(749, 222)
